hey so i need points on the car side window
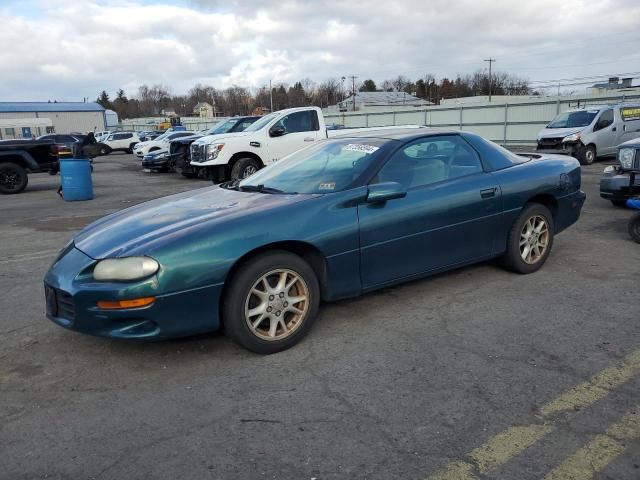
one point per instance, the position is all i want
(298, 122)
(430, 160)
(606, 119)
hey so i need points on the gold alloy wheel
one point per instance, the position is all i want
(534, 239)
(277, 304)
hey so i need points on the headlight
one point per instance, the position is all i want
(625, 157)
(572, 138)
(128, 268)
(213, 150)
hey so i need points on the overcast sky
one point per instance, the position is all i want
(70, 49)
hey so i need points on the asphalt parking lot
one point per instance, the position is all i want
(477, 373)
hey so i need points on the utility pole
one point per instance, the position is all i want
(353, 89)
(271, 95)
(490, 60)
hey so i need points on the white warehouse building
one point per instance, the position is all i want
(66, 117)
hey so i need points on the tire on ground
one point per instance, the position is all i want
(513, 258)
(243, 168)
(587, 155)
(13, 178)
(618, 203)
(237, 296)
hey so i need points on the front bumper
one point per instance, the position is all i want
(616, 185)
(153, 163)
(566, 148)
(71, 300)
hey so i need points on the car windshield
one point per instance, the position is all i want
(327, 167)
(262, 122)
(223, 127)
(163, 136)
(580, 118)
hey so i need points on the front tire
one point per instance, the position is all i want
(634, 227)
(271, 303)
(530, 239)
(619, 203)
(244, 168)
(13, 178)
(588, 155)
(104, 150)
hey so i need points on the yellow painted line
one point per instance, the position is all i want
(455, 471)
(511, 442)
(597, 454)
(506, 445)
(597, 387)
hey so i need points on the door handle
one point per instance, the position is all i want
(309, 139)
(613, 129)
(488, 192)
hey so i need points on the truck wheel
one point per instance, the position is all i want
(588, 155)
(244, 168)
(634, 227)
(13, 178)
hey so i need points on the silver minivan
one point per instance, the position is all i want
(591, 132)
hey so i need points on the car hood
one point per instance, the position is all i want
(633, 143)
(558, 132)
(221, 136)
(139, 230)
(188, 139)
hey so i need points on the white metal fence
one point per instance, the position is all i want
(513, 123)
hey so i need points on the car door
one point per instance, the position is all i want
(604, 133)
(448, 217)
(297, 130)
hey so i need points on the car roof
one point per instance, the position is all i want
(405, 133)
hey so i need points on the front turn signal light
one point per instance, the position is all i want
(120, 304)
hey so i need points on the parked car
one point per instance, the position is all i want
(121, 141)
(157, 161)
(341, 218)
(159, 144)
(618, 183)
(66, 143)
(151, 135)
(179, 149)
(593, 132)
(19, 158)
(102, 135)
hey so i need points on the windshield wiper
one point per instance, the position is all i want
(259, 188)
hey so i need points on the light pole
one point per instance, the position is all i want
(490, 60)
(271, 95)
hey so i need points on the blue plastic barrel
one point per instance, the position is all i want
(75, 176)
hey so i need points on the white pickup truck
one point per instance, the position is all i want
(237, 155)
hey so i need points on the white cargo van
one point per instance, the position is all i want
(591, 132)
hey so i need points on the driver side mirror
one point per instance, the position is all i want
(381, 192)
(277, 131)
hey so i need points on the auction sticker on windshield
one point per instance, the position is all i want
(327, 186)
(358, 147)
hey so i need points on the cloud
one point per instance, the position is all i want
(67, 49)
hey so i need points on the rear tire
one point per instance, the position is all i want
(634, 227)
(588, 155)
(271, 303)
(244, 168)
(13, 178)
(530, 239)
